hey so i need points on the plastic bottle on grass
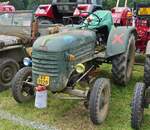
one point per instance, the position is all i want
(41, 97)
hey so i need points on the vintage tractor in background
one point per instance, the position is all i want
(139, 17)
(121, 14)
(73, 55)
(18, 31)
(54, 12)
(5, 7)
(141, 97)
(141, 21)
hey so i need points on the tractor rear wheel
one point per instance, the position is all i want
(147, 71)
(99, 100)
(137, 106)
(8, 69)
(122, 64)
(22, 91)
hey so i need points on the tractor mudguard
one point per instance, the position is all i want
(148, 48)
(118, 40)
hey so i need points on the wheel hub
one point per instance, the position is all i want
(7, 74)
(26, 89)
(103, 99)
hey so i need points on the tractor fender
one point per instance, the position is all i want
(117, 42)
(148, 48)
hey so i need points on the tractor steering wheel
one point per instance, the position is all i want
(88, 21)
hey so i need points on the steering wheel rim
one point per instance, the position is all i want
(89, 13)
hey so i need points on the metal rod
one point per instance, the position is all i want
(29, 83)
(117, 4)
(76, 92)
(70, 98)
(85, 74)
(126, 2)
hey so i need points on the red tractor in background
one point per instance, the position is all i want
(5, 7)
(142, 23)
(141, 97)
(139, 17)
(58, 9)
(121, 14)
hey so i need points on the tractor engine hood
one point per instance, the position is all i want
(8, 40)
(64, 41)
(50, 56)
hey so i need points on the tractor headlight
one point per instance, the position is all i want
(27, 61)
(80, 68)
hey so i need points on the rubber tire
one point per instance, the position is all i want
(4, 64)
(97, 116)
(121, 70)
(17, 85)
(137, 106)
(147, 71)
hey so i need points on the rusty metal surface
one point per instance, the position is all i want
(23, 33)
(8, 40)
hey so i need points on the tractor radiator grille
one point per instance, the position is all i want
(46, 63)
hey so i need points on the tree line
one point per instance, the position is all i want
(32, 4)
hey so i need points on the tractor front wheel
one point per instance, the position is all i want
(22, 91)
(122, 64)
(99, 100)
(137, 106)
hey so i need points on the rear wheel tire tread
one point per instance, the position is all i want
(119, 64)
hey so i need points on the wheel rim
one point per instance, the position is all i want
(26, 90)
(7, 74)
(130, 58)
(141, 115)
(103, 102)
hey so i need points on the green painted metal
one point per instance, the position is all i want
(105, 20)
(50, 54)
(64, 41)
(118, 40)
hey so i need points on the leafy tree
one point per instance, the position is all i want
(33, 4)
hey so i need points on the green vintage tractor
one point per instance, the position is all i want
(60, 61)
(141, 97)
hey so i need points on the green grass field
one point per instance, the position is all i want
(71, 115)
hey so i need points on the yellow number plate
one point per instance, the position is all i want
(43, 80)
(144, 11)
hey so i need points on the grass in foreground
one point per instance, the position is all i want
(71, 115)
(7, 125)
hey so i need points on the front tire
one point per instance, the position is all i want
(147, 71)
(23, 92)
(8, 69)
(137, 106)
(122, 64)
(99, 100)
